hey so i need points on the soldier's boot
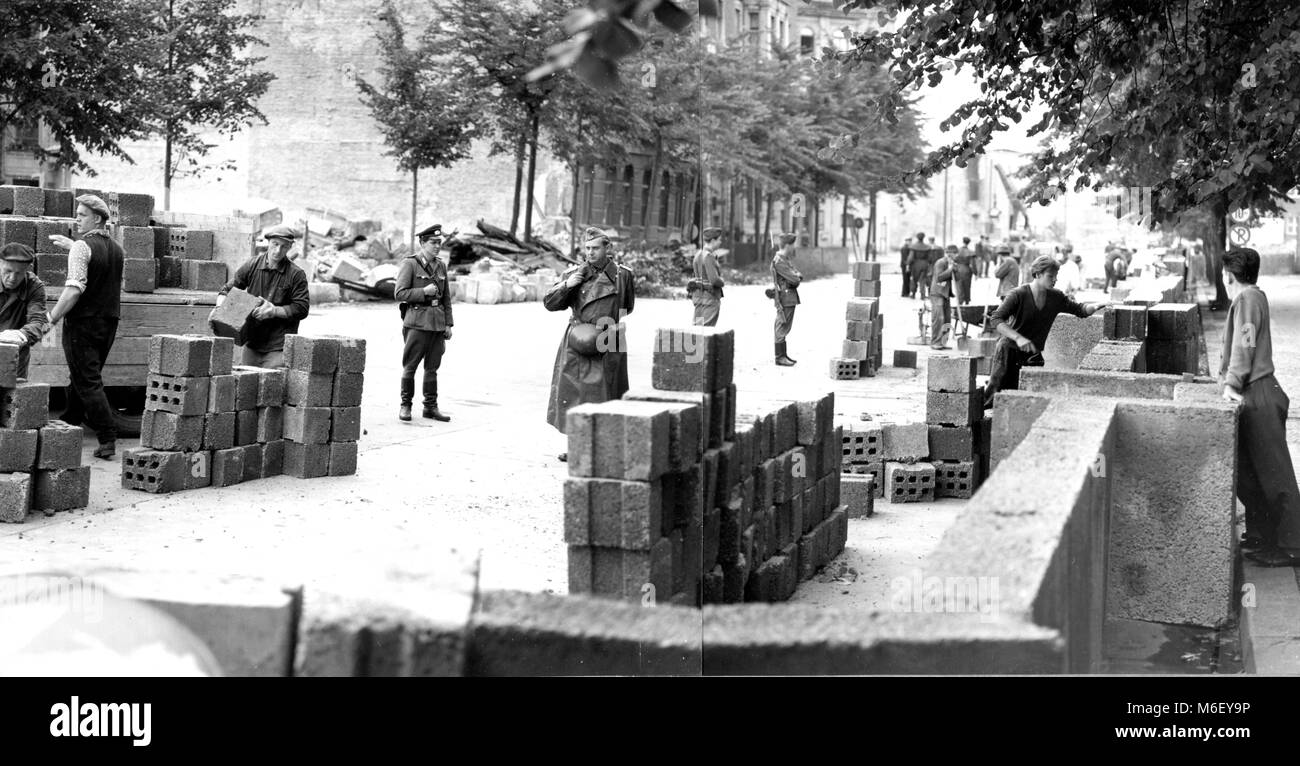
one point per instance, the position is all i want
(431, 402)
(408, 393)
(781, 359)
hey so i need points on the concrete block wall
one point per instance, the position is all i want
(40, 459)
(861, 355)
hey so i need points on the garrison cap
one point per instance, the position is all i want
(713, 232)
(594, 234)
(429, 231)
(95, 204)
(281, 231)
(17, 252)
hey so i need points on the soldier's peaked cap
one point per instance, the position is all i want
(430, 231)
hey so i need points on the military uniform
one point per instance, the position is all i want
(591, 363)
(426, 322)
(707, 285)
(785, 281)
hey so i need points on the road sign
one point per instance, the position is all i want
(1239, 235)
(1242, 215)
(858, 223)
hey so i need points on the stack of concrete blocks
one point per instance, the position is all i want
(322, 397)
(862, 456)
(175, 247)
(30, 215)
(903, 476)
(1173, 332)
(862, 343)
(955, 416)
(40, 459)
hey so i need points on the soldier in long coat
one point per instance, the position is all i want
(591, 364)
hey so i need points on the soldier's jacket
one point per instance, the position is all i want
(786, 279)
(424, 312)
(706, 270)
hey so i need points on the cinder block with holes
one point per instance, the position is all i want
(156, 471)
(25, 406)
(129, 209)
(861, 444)
(61, 489)
(874, 470)
(180, 355)
(15, 497)
(181, 395)
(956, 478)
(845, 369)
(194, 244)
(909, 482)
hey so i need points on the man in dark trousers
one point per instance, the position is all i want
(425, 302)
(918, 263)
(591, 363)
(943, 270)
(1266, 480)
(282, 286)
(785, 293)
(706, 287)
(91, 303)
(1024, 321)
(23, 319)
(905, 261)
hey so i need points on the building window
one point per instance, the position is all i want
(807, 42)
(753, 22)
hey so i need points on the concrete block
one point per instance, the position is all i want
(954, 409)
(58, 202)
(775, 580)
(714, 586)
(862, 309)
(1014, 413)
(729, 419)
(246, 427)
(15, 497)
(952, 442)
(860, 330)
(837, 526)
(683, 497)
(866, 288)
(252, 462)
(909, 483)
(855, 349)
(345, 424)
(619, 439)
(905, 358)
(1173, 357)
(222, 393)
(347, 389)
(136, 241)
(905, 441)
(1125, 322)
(1110, 385)
(845, 369)
(270, 424)
(864, 270)
(198, 469)
(169, 273)
(223, 356)
(948, 373)
(1070, 340)
(52, 268)
(9, 354)
(981, 348)
(28, 201)
(25, 406)
(18, 449)
(155, 471)
(231, 318)
(703, 402)
(734, 578)
(311, 425)
(46, 228)
(218, 430)
(271, 388)
(624, 574)
(858, 493)
(60, 446)
(832, 447)
(307, 389)
(273, 458)
(179, 395)
(194, 244)
(709, 542)
(227, 467)
(185, 356)
(129, 209)
(343, 458)
(312, 353)
(206, 276)
(693, 359)
(1173, 321)
(1116, 356)
(875, 470)
(352, 354)
(21, 232)
(956, 478)
(248, 386)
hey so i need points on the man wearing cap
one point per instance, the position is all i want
(941, 298)
(91, 303)
(1024, 320)
(282, 286)
(23, 319)
(591, 363)
(1007, 272)
(905, 261)
(706, 287)
(785, 293)
(425, 298)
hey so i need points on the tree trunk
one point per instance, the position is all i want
(844, 223)
(532, 176)
(731, 212)
(167, 170)
(652, 206)
(817, 223)
(415, 203)
(1215, 245)
(871, 230)
(758, 227)
(519, 184)
(767, 229)
(688, 220)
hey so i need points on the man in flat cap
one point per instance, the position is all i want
(1008, 270)
(591, 364)
(23, 319)
(282, 286)
(1024, 320)
(942, 272)
(706, 288)
(425, 302)
(785, 293)
(91, 303)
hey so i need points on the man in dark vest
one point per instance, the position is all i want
(23, 319)
(91, 304)
(425, 298)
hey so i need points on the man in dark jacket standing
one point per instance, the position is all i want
(23, 319)
(91, 303)
(591, 363)
(282, 286)
(786, 280)
(941, 298)
(425, 297)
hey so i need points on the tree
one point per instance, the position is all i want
(1205, 92)
(426, 122)
(80, 70)
(205, 80)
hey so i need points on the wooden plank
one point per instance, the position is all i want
(120, 375)
(167, 296)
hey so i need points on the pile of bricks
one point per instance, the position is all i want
(885, 460)
(957, 426)
(40, 459)
(671, 492)
(156, 256)
(862, 352)
(208, 423)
